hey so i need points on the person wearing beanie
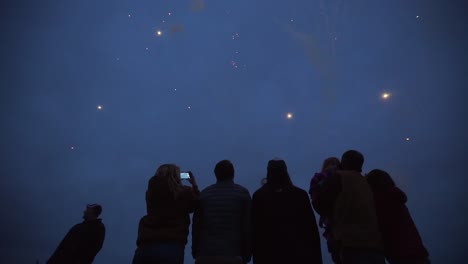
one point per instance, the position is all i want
(284, 225)
(84, 240)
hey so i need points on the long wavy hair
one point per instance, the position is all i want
(167, 176)
(277, 175)
(331, 163)
(379, 180)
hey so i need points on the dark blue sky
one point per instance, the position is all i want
(219, 83)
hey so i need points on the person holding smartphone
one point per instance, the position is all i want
(163, 231)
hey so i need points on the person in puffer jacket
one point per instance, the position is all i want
(402, 242)
(222, 222)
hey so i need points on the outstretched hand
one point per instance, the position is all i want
(192, 179)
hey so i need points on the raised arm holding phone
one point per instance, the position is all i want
(163, 231)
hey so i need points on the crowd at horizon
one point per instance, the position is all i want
(364, 219)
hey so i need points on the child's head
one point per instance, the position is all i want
(379, 180)
(330, 163)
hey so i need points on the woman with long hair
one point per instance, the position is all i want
(284, 226)
(402, 242)
(163, 231)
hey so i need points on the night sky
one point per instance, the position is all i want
(95, 95)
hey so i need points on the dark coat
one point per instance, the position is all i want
(400, 235)
(81, 244)
(285, 229)
(222, 223)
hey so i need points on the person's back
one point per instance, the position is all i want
(348, 200)
(284, 227)
(167, 216)
(401, 238)
(354, 218)
(163, 231)
(222, 222)
(285, 230)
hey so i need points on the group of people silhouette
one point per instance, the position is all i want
(364, 217)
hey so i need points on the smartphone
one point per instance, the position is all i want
(184, 176)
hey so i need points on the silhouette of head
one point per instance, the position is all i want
(167, 179)
(92, 211)
(277, 174)
(379, 180)
(224, 170)
(330, 163)
(352, 160)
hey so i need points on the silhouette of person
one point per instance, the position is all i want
(83, 241)
(163, 231)
(402, 242)
(348, 201)
(330, 165)
(284, 225)
(222, 224)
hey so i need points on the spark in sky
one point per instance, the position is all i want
(129, 16)
(169, 13)
(235, 36)
(417, 16)
(289, 115)
(158, 32)
(99, 107)
(147, 48)
(234, 64)
(189, 107)
(407, 139)
(72, 148)
(385, 96)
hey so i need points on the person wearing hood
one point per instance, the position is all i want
(83, 241)
(284, 225)
(402, 242)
